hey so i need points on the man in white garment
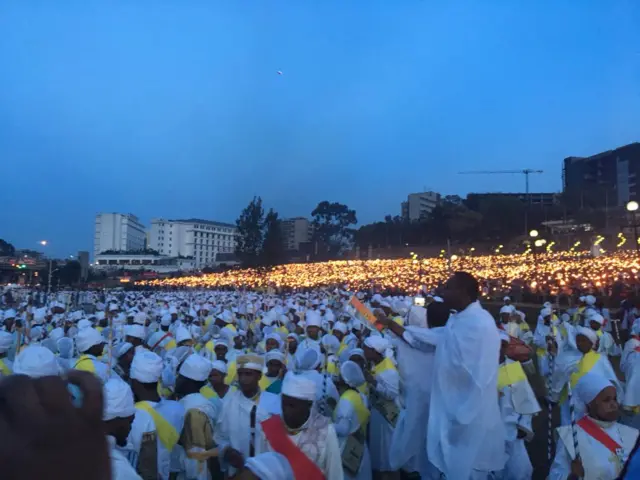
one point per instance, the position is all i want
(119, 411)
(317, 451)
(465, 433)
(242, 411)
(168, 416)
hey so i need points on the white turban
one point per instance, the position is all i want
(274, 355)
(378, 343)
(596, 317)
(299, 386)
(6, 341)
(56, 334)
(87, 338)
(36, 361)
(313, 319)
(65, 347)
(587, 332)
(417, 316)
(84, 323)
(250, 362)
(165, 321)
(276, 337)
(340, 327)
(196, 368)
(352, 374)
(146, 367)
(182, 334)
(219, 366)
(118, 400)
(135, 331)
(270, 466)
(507, 309)
(140, 318)
(11, 313)
(590, 385)
(545, 312)
(590, 300)
(122, 348)
(635, 328)
(36, 334)
(331, 344)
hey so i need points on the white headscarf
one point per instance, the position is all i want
(590, 385)
(118, 400)
(196, 368)
(87, 338)
(36, 361)
(587, 332)
(146, 367)
(299, 386)
(352, 374)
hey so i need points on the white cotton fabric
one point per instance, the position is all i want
(182, 334)
(587, 332)
(299, 386)
(36, 361)
(87, 338)
(270, 466)
(219, 366)
(352, 374)
(196, 368)
(590, 385)
(313, 319)
(118, 400)
(135, 331)
(6, 341)
(146, 367)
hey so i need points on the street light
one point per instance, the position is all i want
(632, 208)
(44, 243)
(533, 233)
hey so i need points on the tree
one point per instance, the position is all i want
(331, 223)
(250, 234)
(6, 249)
(272, 249)
(70, 273)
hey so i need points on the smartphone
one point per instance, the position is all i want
(418, 301)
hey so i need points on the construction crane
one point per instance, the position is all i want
(526, 172)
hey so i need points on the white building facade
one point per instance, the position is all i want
(200, 239)
(419, 205)
(295, 231)
(118, 231)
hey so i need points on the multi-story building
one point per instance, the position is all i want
(200, 239)
(533, 199)
(603, 180)
(295, 231)
(419, 205)
(119, 232)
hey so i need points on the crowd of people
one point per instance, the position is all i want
(322, 383)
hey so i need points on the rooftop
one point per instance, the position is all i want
(205, 222)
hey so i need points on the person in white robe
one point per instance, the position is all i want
(384, 388)
(518, 405)
(90, 345)
(350, 420)
(242, 410)
(119, 412)
(168, 416)
(313, 434)
(6, 342)
(603, 444)
(200, 414)
(590, 360)
(309, 362)
(466, 435)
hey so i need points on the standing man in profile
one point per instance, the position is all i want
(465, 433)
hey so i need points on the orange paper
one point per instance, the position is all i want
(367, 314)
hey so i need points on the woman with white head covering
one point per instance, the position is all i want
(603, 443)
(350, 420)
(119, 413)
(384, 385)
(271, 379)
(310, 363)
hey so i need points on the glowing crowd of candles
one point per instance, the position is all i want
(550, 271)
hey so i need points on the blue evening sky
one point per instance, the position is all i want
(175, 108)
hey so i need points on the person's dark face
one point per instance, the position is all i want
(583, 343)
(248, 381)
(293, 345)
(8, 323)
(126, 359)
(547, 320)
(295, 411)
(505, 317)
(273, 368)
(359, 360)
(271, 344)
(174, 317)
(120, 428)
(453, 295)
(370, 354)
(386, 310)
(313, 332)
(338, 335)
(216, 378)
(595, 326)
(133, 341)
(237, 343)
(221, 352)
(605, 405)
